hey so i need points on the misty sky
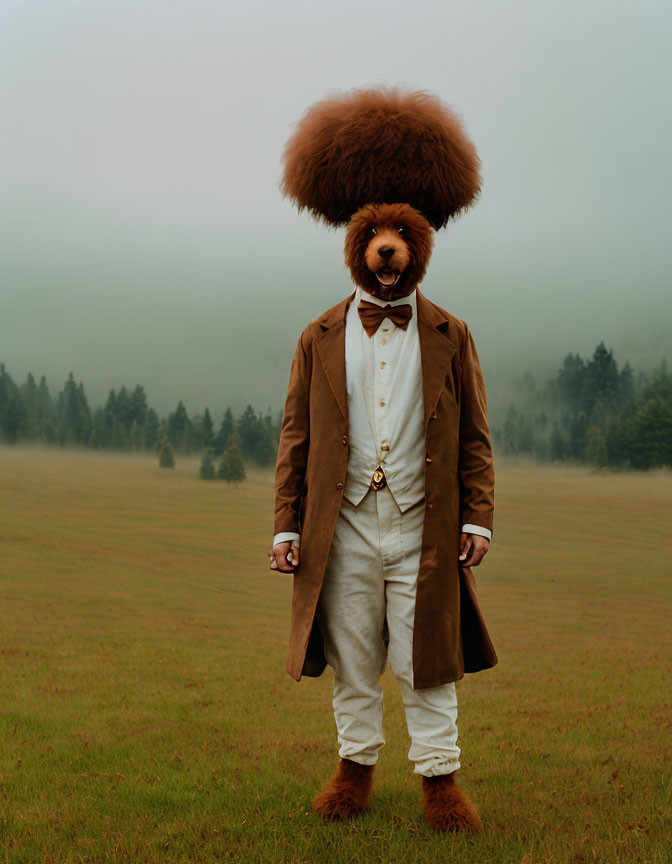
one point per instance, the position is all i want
(144, 238)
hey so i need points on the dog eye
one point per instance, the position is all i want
(372, 230)
(401, 230)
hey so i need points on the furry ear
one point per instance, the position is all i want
(380, 146)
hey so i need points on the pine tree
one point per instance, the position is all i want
(225, 433)
(30, 395)
(179, 428)
(124, 416)
(74, 414)
(652, 442)
(13, 410)
(248, 431)
(207, 470)
(602, 377)
(208, 428)
(164, 449)
(16, 418)
(570, 380)
(46, 413)
(150, 429)
(232, 467)
(139, 405)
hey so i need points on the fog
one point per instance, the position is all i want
(144, 237)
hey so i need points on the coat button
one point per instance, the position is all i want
(344, 440)
(429, 505)
(428, 459)
(434, 415)
(339, 485)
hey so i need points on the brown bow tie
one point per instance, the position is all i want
(371, 315)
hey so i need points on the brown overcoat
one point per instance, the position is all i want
(449, 636)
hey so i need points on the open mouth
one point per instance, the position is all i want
(387, 276)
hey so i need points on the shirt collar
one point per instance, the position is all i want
(361, 294)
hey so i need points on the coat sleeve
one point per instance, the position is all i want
(476, 467)
(290, 467)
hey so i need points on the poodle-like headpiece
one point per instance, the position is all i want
(376, 146)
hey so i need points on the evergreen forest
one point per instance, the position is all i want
(29, 413)
(592, 411)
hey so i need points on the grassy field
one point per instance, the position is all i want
(145, 715)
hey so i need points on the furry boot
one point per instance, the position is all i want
(346, 793)
(446, 806)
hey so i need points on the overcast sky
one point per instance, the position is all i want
(144, 237)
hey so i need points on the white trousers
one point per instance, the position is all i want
(365, 613)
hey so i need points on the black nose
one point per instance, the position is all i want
(386, 252)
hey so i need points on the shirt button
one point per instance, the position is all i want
(382, 365)
(382, 403)
(385, 447)
(339, 485)
(384, 342)
(344, 440)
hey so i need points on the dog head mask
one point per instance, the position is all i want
(392, 166)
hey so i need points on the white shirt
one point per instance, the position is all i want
(385, 409)
(386, 417)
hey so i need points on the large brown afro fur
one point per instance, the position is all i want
(381, 145)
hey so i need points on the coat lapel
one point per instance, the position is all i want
(331, 351)
(436, 352)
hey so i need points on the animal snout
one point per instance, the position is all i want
(386, 252)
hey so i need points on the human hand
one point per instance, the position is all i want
(278, 557)
(475, 544)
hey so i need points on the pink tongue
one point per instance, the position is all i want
(387, 278)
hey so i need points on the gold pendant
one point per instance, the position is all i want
(378, 479)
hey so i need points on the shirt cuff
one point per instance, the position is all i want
(285, 536)
(476, 529)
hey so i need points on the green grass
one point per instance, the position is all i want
(145, 714)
